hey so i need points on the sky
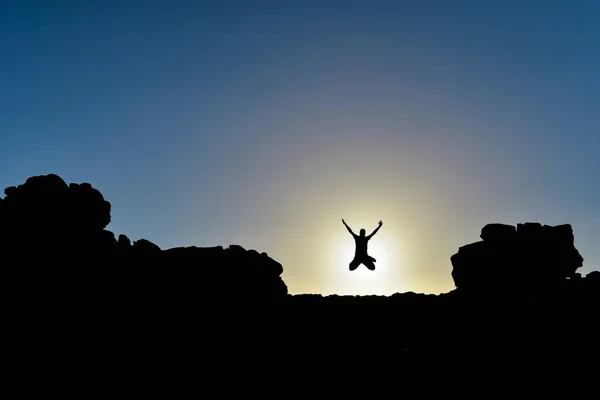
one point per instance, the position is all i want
(264, 123)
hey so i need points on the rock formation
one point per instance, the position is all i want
(46, 218)
(47, 223)
(521, 259)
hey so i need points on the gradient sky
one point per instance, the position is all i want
(264, 123)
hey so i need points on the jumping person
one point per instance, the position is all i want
(360, 253)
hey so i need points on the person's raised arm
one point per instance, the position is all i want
(375, 231)
(347, 227)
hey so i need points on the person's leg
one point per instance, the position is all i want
(354, 264)
(369, 263)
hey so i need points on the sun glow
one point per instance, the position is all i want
(385, 279)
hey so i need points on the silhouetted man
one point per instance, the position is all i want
(360, 254)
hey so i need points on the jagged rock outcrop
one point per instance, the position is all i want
(518, 260)
(45, 217)
(45, 222)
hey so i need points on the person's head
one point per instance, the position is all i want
(362, 232)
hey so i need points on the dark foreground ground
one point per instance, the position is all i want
(165, 339)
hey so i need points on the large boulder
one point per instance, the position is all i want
(89, 206)
(498, 232)
(45, 216)
(527, 258)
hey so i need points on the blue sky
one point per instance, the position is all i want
(263, 123)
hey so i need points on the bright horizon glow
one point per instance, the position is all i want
(362, 281)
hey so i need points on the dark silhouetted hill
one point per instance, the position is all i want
(87, 313)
